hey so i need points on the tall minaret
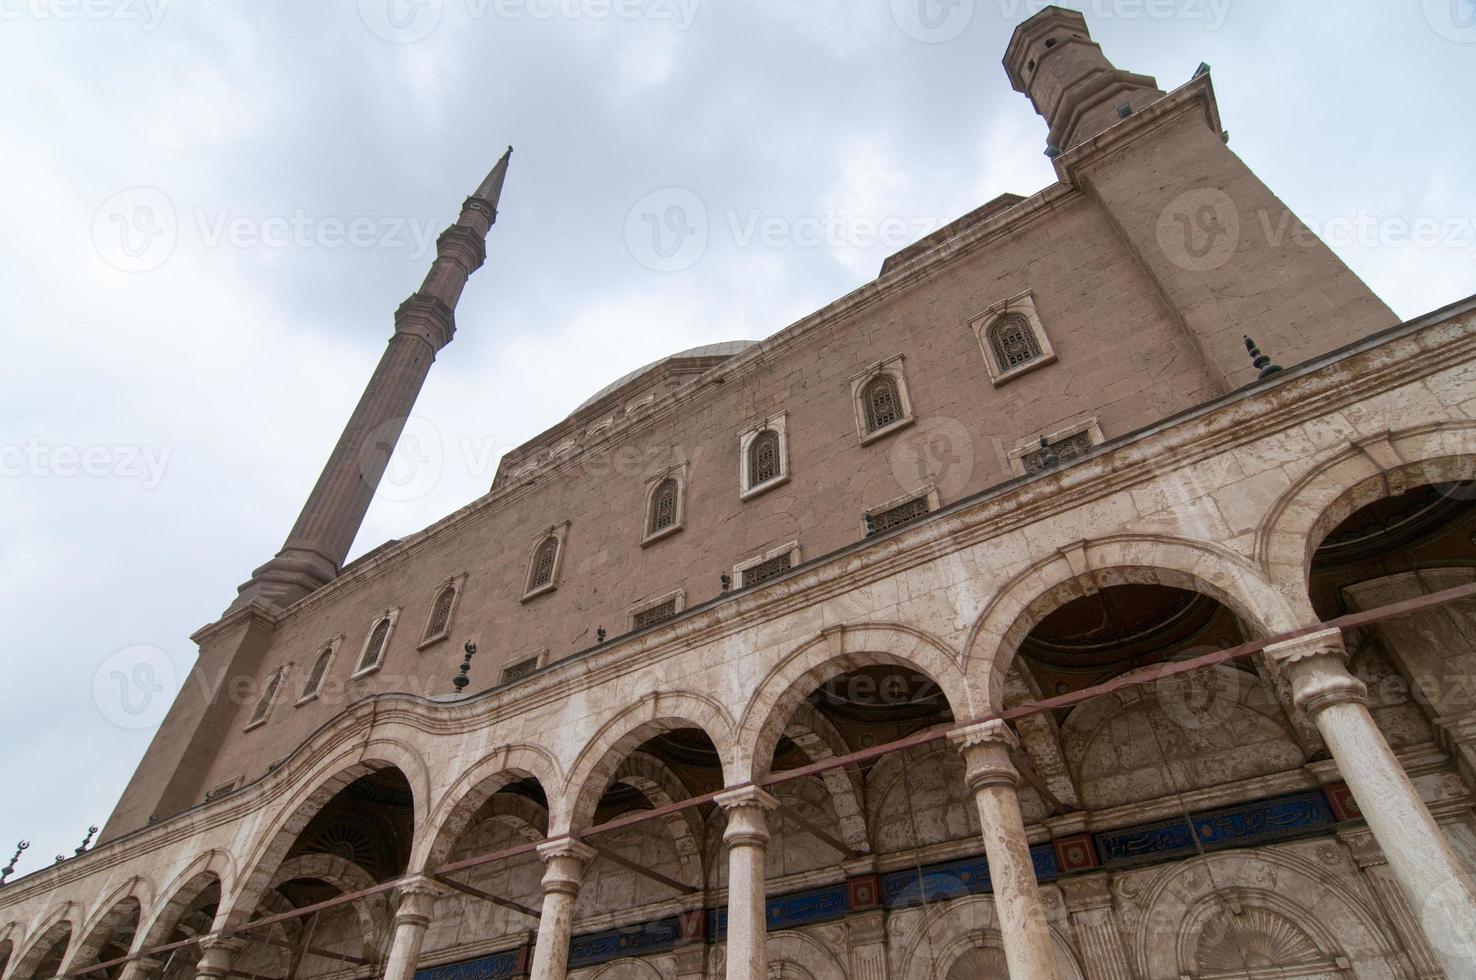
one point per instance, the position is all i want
(1053, 59)
(424, 323)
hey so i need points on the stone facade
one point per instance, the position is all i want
(1305, 811)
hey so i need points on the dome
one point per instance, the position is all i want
(728, 348)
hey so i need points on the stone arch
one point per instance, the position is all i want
(311, 792)
(58, 928)
(835, 651)
(342, 874)
(526, 818)
(1141, 743)
(212, 867)
(798, 956)
(936, 804)
(653, 715)
(1370, 470)
(948, 933)
(1069, 574)
(655, 780)
(819, 740)
(463, 798)
(1303, 888)
(7, 945)
(126, 901)
(628, 969)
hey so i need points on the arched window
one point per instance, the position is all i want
(543, 564)
(881, 402)
(763, 458)
(267, 695)
(1013, 342)
(440, 617)
(316, 675)
(663, 506)
(374, 649)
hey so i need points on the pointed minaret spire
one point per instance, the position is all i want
(320, 540)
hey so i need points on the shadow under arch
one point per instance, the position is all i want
(835, 652)
(653, 715)
(1373, 469)
(213, 869)
(312, 792)
(471, 791)
(43, 954)
(121, 910)
(1099, 564)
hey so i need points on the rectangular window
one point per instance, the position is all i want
(519, 670)
(903, 513)
(268, 695)
(656, 614)
(766, 570)
(1067, 448)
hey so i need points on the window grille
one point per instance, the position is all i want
(656, 614)
(543, 564)
(315, 676)
(519, 670)
(1014, 342)
(663, 507)
(896, 516)
(766, 570)
(375, 648)
(763, 458)
(265, 704)
(441, 613)
(1068, 448)
(881, 402)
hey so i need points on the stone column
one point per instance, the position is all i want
(1089, 900)
(1376, 872)
(1431, 877)
(747, 838)
(415, 900)
(866, 934)
(217, 955)
(564, 861)
(995, 782)
(143, 968)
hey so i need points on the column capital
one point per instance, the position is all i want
(746, 809)
(1315, 668)
(1086, 892)
(415, 899)
(217, 952)
(1363, 847)
(986, 749)
(564, 862)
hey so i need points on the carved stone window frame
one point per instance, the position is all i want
(1028, 446)
(560, 532)
(892, 367)
(677, 472)
(456, 583)
(792, 549)
(779, 425)
(928, 491)
(539, 659)
(651, 602)
(306, 696)
(360, 668)
(269, 698)
(1022, 306)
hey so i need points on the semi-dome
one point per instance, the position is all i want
(728, 348)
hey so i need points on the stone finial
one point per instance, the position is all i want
(461, 680)
(1048, 457)
(870, 523)
(727, 581)
(600, 634)
(1260, 360)
(86, 841)
(9, 869)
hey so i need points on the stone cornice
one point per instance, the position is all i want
(1198, 93)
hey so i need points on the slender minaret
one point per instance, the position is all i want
(424, 323)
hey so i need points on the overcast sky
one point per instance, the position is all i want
(212, 210)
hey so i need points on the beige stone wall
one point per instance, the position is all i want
(1227, 501)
